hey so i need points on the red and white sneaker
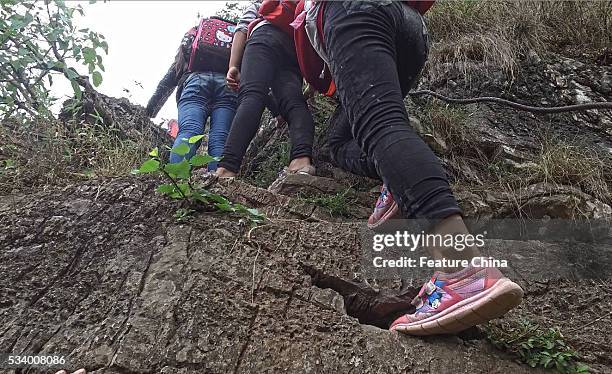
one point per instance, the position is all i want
(450, 303)
(385, 209)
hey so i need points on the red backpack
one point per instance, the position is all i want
(280, 13)
(421, 6)
(211, 45)
(314, 70)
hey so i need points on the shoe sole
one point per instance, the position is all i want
(390, 213)
(490, 304)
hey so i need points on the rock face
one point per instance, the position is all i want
(106, 278)
(102, 274)
(128, 120)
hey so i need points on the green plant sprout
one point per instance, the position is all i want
(181, 185)
(183, 214)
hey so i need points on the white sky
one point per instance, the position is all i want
(143, 37)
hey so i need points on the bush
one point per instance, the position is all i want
(535, 346)
(45, 152)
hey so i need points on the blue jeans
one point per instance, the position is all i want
(204, 95)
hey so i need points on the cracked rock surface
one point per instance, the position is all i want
(101, 273)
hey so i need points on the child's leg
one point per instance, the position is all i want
(192, 113)
(259, 66)
(343, 148)
(221, 117)
(362, 51)
(287, 87)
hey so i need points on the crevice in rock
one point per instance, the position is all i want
(245, 345)
(369, 306)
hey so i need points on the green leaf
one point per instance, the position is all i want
(225, 207)
(89, 55)
(181, 149)
(104, 46)
(218, 198)
(9, 164)
(545, 361)
(181, 170)
(195, 139)
(97, 78)
(254, 212)
(175, 195)
(582, 368)
(185, 188)
(77, 90)
(201, 160)
(154, 152)
(166, 189)
(199, 197)
(149, 166)
(71, 73)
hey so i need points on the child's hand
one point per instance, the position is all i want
(233, 78)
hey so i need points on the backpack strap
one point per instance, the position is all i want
(223, 19)
(194, 45)
(252, 25)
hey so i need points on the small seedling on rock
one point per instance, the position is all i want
(182, 186)
(183, 215)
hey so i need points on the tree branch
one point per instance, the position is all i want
(13, 80)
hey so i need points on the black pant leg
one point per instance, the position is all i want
(363, 52)
(344, 150)
(259, 65)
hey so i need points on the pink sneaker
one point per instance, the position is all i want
(386, 208)
(450, 303)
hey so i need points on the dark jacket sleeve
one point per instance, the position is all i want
(162, 92)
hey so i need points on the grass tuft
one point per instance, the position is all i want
(337, 205)
(495, 34)
(45, 152)
(536, 346)
(570, 164)
(269, 169)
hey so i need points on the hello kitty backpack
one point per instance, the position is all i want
(210, 45)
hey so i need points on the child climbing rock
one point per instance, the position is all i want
(199, 73)
(375, 50)
(266, 59)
